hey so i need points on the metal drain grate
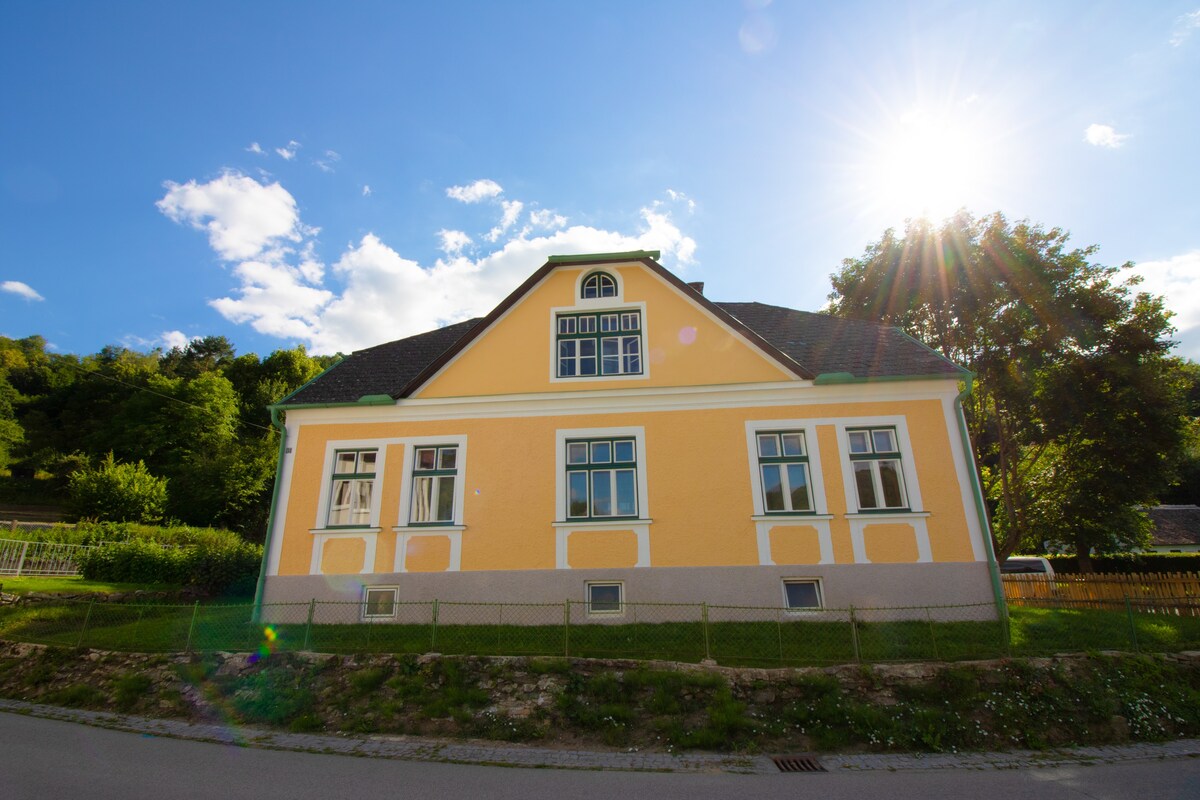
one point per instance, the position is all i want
(799, 763)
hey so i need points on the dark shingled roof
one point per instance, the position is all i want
(816, 342)
(825, 344)
(1175, 525)
(383, 369)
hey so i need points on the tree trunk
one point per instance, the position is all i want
(1083, 555)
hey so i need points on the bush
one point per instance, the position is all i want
(119, 492)
(92, 532)
(1132, 562)
(213, 566)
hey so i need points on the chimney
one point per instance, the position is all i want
(698, 286)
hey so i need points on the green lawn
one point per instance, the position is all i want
(1033, 631)
(65, 585)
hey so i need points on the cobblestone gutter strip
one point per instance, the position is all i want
(409, 748)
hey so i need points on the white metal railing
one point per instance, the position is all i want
(19, 558)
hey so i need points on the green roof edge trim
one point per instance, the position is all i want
(588, 258)
(829, 378)
(376, 400)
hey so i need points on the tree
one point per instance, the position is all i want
(1065, 356)
(118, 492)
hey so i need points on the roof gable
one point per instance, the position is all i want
(782, 343)
(684, 340)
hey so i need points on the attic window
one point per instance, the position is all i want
(598, 284)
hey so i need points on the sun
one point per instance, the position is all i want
(925, 164)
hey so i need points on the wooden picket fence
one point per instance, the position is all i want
(1161, 593)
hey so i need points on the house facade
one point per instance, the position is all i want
(609, 435)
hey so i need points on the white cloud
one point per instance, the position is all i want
(326, 164)
(169, 340)
(474, 192)
(545, 218)
(256, 148)
(512, 210)
(1104, 136)
(21, 290)
(1184, 26)
(288, 151)
(243, 218)
(680, 197)
(1177, 280)
(372, 293)
(366, 192)
(453, 241)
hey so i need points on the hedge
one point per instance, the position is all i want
(90, 532)
(1131, 562)
(215, 567)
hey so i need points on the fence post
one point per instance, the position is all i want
(854, 636)
(312, 608)
(567, 629)
(1132, 624)
(932, 634)
(187, 648)
(704, 621)
(86, 617)
(21, 560)
(433, 633)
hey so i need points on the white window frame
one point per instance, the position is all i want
(638, 434)
(436, 493)
(816, 582)
(908, 467)
(587, 275)
(782, 463)
(816, 478)
(608, 612)
(874, 459)
(411, 445)
(607, 305)
(325, 501)
(395, 591)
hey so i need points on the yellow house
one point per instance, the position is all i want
(609, 435)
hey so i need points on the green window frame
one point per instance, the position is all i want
(602, 478)
(434, 485)
(783, 472)
(878, 471)
(599, 344)
(598, 284)
(353, 487)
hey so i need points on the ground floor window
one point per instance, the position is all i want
(605, 597)
(379, 602)
(802, 594)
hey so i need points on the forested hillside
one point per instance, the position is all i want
(195, 416)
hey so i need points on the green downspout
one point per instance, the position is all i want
(262, 570)
(980, 508)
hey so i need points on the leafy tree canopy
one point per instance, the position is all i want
(1078, 416)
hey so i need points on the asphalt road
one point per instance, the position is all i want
(41, 759)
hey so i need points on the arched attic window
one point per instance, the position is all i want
(599, 284)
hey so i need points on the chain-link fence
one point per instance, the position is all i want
(731, 635)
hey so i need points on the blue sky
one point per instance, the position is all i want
(339, 175)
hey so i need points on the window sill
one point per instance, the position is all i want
(616, 522)
(790, 517)
(351, 530)
(884, 513)
(448, 527)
